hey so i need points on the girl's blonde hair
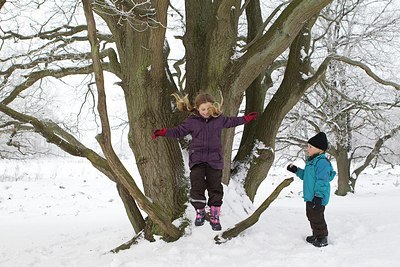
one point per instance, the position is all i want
(183, 103)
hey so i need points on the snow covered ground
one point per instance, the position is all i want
(62, 212)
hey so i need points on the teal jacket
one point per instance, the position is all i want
(316, 176)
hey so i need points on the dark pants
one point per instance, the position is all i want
(203, 177)
(317, 220)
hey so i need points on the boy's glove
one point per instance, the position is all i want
(251, 116)
(159, 132)
(317, 203)
(292, 168)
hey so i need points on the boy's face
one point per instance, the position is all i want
(203, 110)
(312, 150)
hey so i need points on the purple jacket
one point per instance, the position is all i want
(206, 145)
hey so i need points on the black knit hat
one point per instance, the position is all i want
(319, 141)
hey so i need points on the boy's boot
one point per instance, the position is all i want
(311, 239)
(214, 218)
(321, 242)
(200, 216)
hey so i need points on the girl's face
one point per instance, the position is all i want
(203, 109)
(312, 150)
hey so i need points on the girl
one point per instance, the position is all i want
(205, 125)
(316, 176)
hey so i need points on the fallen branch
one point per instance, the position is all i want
(128, 244)
(252, 219)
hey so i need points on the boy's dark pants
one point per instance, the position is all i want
(203, 177)
(317, 220)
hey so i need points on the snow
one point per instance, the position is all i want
(63, 212)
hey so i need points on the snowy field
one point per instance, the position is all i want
(62, 212)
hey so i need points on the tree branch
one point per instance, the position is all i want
(276, 40)
(367, 70)
(139, 16)
(35, 76)
(324, 65)
(59, 137)
(373, 153)
(49, 35)
(265, 23)
(55, 135)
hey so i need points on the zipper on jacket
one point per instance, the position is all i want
(208, 147)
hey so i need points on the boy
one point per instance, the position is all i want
(316, 176)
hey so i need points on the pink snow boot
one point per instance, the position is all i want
(200, 216)
(214, 218)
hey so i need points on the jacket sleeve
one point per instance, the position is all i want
(181, 130)
(230, 122)
(300, 173)
(322, 177)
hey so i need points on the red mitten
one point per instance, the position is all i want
(159, 132)
(251, 116)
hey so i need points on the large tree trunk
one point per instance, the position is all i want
(147, 95)
(215, 29)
